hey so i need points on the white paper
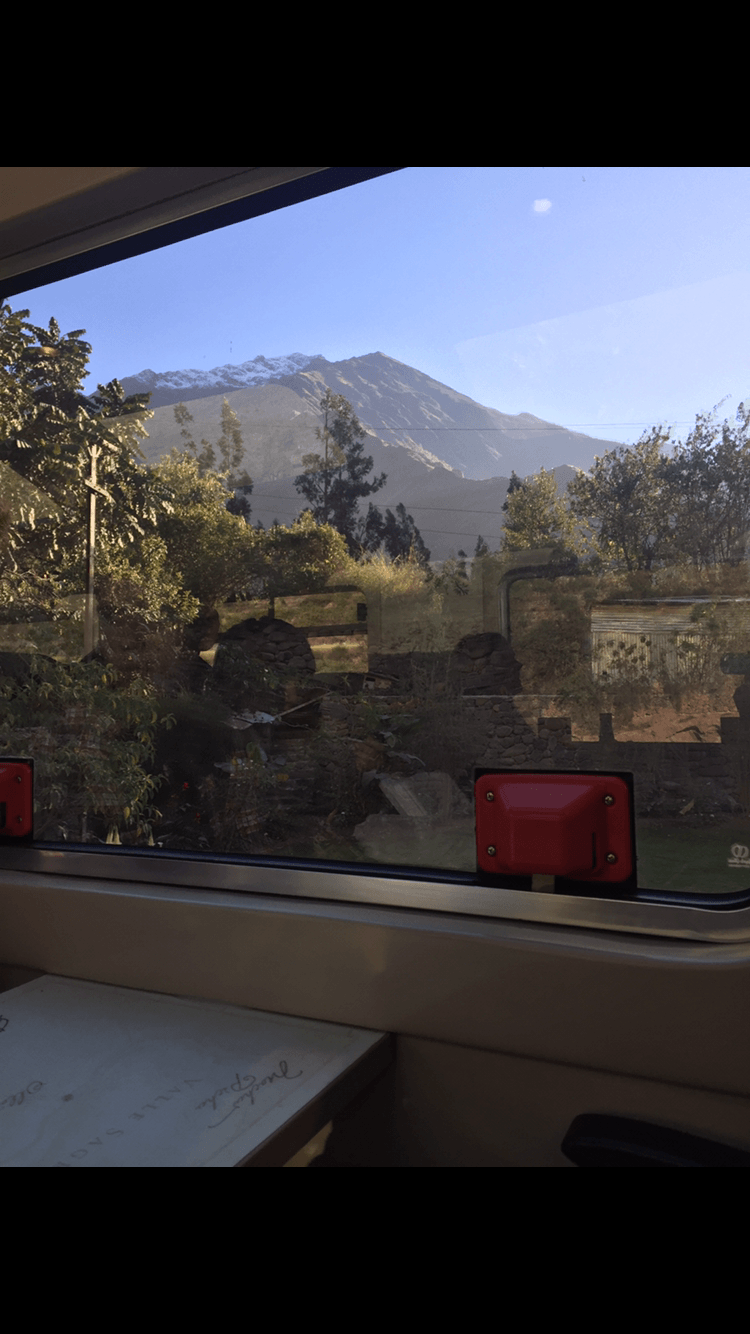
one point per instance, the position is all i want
(100, 1076)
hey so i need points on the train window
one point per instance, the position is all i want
(307, 519)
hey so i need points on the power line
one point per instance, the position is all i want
(508, 430)
(447, 532)
(424, 509)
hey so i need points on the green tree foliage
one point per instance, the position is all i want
(48, 432)
(334, 481)
(537, 516)
(148, 590)
(212, 550)
(705, 489)
(229, 444)
(622, 501)
(216, 554)
(225, 457)
(300, 558)
(182, 416)
(645, 508)
(453, 576)
(16, 401)
(93, 744)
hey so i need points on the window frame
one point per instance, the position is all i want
(688, 917)
(191, 207)
(149, 209)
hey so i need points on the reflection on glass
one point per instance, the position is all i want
(286, 606)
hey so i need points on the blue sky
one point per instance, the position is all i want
(602, 298)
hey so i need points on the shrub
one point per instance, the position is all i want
(92, 744)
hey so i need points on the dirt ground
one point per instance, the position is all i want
(698, 719)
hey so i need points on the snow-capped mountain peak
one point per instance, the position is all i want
(196, 383)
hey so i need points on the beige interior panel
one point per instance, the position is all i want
(455, 1107)
(51, 214)
(24, 189)
(666, 1010)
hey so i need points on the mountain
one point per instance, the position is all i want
(450, 511)
(447, 458)
(167, 387)
(277, 401)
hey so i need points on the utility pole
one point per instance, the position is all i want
(90, 634)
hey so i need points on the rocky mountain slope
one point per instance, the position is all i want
(447, 458)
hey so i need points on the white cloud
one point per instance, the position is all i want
(542, 205)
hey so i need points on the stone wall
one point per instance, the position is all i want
(668, 776)
(257, 661)
(276, 644)
(480, 664)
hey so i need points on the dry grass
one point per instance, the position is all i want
(342, 654)
(326, 608)
(380, 574)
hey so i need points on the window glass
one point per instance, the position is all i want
(304, 520)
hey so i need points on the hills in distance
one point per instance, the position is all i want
(447, 458)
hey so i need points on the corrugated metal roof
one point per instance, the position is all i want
(641, 620)
(666, 602)
(647, 635)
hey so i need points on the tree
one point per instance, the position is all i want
(104, 766)
(239, 505)
(182, 416)
(537, 516)
(395, 534)
(231, 451)
(691, 507)
(297, 559)
(334, 481)
(621, 500)
(48, 425)
(706, 491)
(231, 448)
(146, 589)
(453, 576)
(49, 434)
(213, 551)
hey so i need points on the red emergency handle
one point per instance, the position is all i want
(578, 826)
(16, 798)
